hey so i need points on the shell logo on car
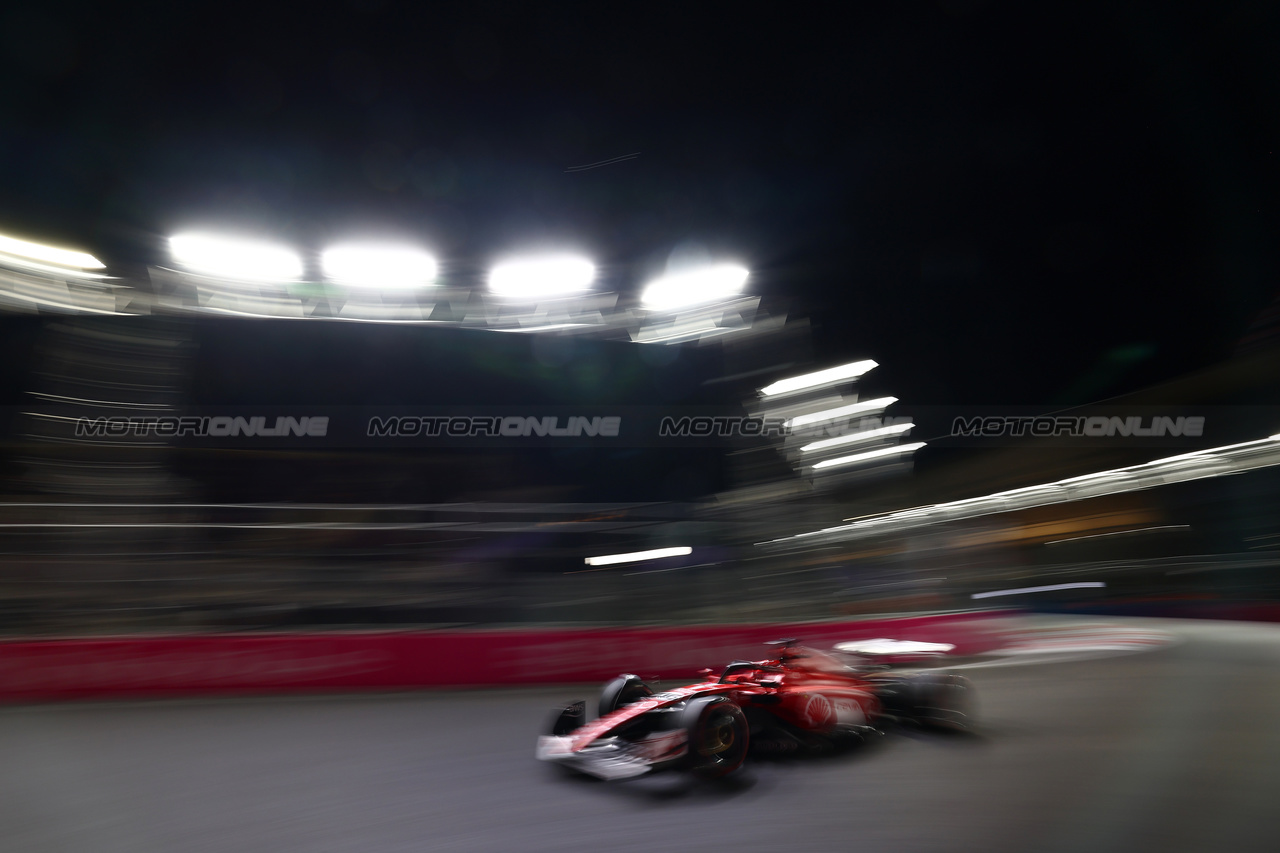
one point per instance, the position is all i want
(817, 711)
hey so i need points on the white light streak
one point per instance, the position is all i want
(53, 303)
(1120, 533)
(680, 332)
(856, 437)
(105, 403)
(893, 647)
(552, 275)
(1212, 451)
(550, 327)
(49, 254)
(230, 257)
(637, 556)
(842, 411)
(870, 454)
(1049, 588)
(1201, 464)
(695, 287)
(376, 266)
(830, 376)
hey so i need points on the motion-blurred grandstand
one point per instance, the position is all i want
(142, 531)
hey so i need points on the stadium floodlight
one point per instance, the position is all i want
(842, 412)
(870, 454)
(236, 258)
(830, 376)
(386, 267)
(28, 251)
(856, 437)
(549, 275)
(638, 556)
(694, 287)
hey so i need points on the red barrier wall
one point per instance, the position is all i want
(212, 664)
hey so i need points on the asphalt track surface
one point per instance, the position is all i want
(1172, 749)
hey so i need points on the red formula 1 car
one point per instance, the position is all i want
(802, 700)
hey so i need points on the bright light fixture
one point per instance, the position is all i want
(49, 254)
(694, 287)
(232, 257)
(637, 556)
(843, 411)
(856, 437)
(551, 275)
(830, 376)
(870, 454)
(387, 267)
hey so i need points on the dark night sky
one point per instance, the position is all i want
(1000, 203)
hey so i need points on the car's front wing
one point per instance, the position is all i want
(614, 758)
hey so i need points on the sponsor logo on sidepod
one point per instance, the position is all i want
(849, 712)
(817, 711)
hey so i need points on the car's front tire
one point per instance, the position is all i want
(570, 717)
(718, 736)
(622, 691)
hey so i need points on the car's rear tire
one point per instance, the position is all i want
(931, 699)
(945, 701)
(718, 736)
(622, 691)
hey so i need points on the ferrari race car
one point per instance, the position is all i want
(803, 700)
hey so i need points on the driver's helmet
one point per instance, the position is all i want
(804, 657)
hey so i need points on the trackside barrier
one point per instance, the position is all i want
(37, 670)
